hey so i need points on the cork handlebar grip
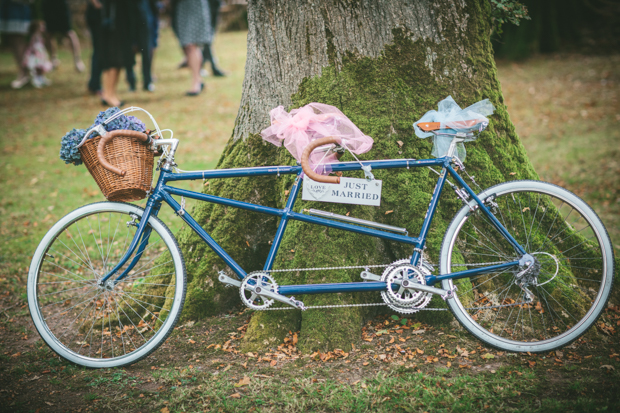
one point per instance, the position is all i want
(142, 137)
(305, 163)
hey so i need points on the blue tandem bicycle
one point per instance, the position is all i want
(523, 266)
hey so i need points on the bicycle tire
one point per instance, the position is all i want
(67, 304)
(574, 280)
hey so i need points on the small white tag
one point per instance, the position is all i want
(349, 191)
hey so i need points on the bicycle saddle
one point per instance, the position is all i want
(474, 124)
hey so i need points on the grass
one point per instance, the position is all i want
(566, 112)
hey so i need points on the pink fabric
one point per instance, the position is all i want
(297, 129)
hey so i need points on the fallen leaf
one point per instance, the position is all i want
(165, 410)
(512, 173)
(389, 212)
(365, 363)
(235, 396)
(191, 341)
(243, 382)
(488, 356)
(607, 366)
(49, 404)
(273, 363)
(400, 144)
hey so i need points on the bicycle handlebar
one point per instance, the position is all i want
(107, 137)
(305, 163)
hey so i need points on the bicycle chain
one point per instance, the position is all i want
(366, 267)
(315, 307)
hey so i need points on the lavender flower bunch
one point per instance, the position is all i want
(68, 145)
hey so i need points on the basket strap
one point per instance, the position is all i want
(107, 137)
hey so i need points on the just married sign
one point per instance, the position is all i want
(349, 191)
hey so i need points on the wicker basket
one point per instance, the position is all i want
(127, 154)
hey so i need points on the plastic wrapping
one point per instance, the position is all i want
(295, 130)
(454, 119)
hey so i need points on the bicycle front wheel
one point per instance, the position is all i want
(98, 326)
(566, 290)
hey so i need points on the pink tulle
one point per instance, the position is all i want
(315, 120)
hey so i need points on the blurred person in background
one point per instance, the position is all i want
(58, 26)
(142, 35)
(15, 18)
(116, 52)
(36, 60)
(191, 21)
(207, 52)
(93, 20)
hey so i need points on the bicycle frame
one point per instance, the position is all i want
(163, 193)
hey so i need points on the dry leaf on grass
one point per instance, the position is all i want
(243, 382)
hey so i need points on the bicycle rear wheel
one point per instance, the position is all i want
(548, 307)
(92, 325)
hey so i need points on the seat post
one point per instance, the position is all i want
(452, 148)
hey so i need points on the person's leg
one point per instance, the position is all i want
(110, 83)
(51, 46)
(193, 55)
(94, 84)
(210, 57)
(75, 48)
(131, 77)
(18, 46)
(147, 56)
(93, 19)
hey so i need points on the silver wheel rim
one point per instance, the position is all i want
(120, 331)
(580, 325)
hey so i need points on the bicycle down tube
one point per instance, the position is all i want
(164, 192)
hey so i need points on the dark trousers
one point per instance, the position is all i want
(93, 20)
(143, 43)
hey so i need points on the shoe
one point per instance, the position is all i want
(20, 82)
(218, 73)
(182, 65)
(40, 81)
(79, 66)
(202, 86)
(204, 73)
(150, 87)
(105, 103)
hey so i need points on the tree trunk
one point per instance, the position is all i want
(384, 63)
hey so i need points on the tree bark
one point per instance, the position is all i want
(384, 63)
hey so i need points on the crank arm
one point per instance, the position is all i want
(368, 276)
(228, 281)
(445, 294)
(279, 297)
